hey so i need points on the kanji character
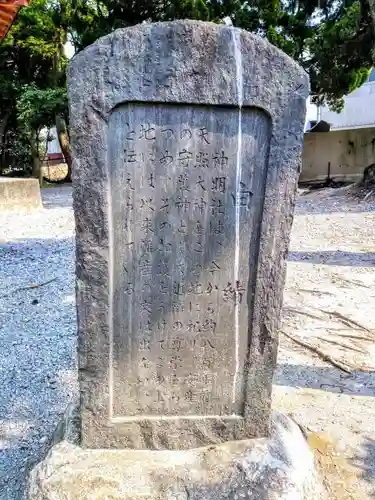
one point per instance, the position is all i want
(202, 134)
(147, 132)
(218, 184)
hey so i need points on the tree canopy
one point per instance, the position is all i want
(333, 40)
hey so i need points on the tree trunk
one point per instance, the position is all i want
(3, 129)
(63, 135)
(371, 4)
(37, 170)
(371, 7)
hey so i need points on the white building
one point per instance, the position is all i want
(358, 112)
(343, 153)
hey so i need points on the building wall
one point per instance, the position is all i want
(53, 146)
(343, 155)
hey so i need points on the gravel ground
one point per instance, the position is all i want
(37, 333)
(330, 284)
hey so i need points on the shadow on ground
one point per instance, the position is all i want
(335, 258)
(326, 379)
(365, 461)
(329, 201)
(57, 197)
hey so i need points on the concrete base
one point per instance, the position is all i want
(279, 468)
(18, 194)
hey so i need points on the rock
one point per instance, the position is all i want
(68, 429)
(185, 170)
(279, 468)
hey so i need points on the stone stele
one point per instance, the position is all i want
(186, 139)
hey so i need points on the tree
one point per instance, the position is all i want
(35, 46)
(340, 54)
(37, 109)
(47, 23)
(20, 65)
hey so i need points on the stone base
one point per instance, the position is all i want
(18, 194)
(279, 468)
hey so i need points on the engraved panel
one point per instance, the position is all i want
(185, 216)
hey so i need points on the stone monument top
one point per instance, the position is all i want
(186, 139)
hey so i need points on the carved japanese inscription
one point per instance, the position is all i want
(185, 211)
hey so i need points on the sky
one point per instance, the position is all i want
(69, 50)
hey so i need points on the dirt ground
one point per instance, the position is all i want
(329, 304)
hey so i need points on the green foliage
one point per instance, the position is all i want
(340, 55)
(17, 152)
(32, 76)
(37, 108)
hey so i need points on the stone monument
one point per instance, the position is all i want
(186, 139)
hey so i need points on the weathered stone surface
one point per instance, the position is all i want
(186, 138)
(16, 194)
(68, 429)
(279, 468)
